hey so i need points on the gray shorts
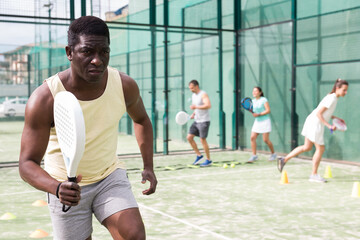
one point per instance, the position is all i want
(104, 198)
(200, 129)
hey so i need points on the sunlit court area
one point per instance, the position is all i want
(290, 51)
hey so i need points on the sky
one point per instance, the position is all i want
(22, 34)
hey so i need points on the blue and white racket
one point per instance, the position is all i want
(247, 104)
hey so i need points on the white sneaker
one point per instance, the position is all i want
(317, 178)
(252, 159)
(272, 157)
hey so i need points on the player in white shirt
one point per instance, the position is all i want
(200, 127)
(313, 129)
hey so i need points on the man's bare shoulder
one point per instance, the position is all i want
(205, 95)
(130, 88)
(128, 82)
(126, 78)
(40, 105)
(41, 94)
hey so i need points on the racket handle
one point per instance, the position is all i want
(70, 179)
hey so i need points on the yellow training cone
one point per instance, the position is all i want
(7, 216)
(356, 190)
(284, 178)
(328, 173)
(39, 203)
(38, 233)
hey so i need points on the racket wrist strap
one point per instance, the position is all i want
(57, 190)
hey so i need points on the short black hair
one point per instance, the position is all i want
(87, 25)
(196, 83)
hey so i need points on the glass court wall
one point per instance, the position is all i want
(294, 50)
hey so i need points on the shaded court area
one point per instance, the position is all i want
(246, 201)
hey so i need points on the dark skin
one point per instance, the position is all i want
(86, 79)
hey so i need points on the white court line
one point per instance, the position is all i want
(215, 173)
(218, 173)
(210, 174)
(17, 193)
(185, 222)
(161, 179)
(301, 161)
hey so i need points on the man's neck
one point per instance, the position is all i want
(81, 89)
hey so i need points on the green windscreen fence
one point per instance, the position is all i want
(327, 37)
(266, 62)
(293, 52)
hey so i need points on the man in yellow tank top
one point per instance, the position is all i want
(102, 186)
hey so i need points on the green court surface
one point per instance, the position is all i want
(244, 202)
(10, 138)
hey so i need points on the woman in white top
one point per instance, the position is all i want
(262, 123)
(313, 129)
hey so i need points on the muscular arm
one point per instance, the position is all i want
(206, 101)
(143, 129)
(34, 140)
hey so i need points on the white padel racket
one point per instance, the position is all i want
(70, 131)
(182, 117)
(341, 126)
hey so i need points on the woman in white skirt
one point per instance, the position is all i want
(262, 123)
(313, 129)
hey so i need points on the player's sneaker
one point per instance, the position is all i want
(252, 159)
(206, 163)
(281, 163)
(272, 157)
(197, 160)
(317, 178)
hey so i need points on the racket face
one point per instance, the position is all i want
(246, 103)
(339, 124)
(70, 130)
(181, 118)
